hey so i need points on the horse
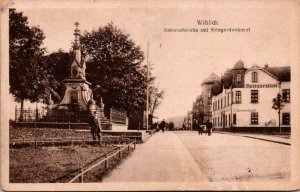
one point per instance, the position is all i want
(203, 129)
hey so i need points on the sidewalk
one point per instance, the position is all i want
(260, 136)
(163, 158)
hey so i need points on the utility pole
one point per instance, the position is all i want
(148, 70)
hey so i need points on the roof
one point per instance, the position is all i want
(239, 65)
(282, 73)
(211, 79)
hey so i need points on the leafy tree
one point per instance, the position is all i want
(278, 105)
(28, 75)
(58, 64)
(114, 67)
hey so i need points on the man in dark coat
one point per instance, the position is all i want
(95, 126)
(209, 127)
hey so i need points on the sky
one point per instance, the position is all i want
(181, 60)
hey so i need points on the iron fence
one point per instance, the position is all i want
(46, 115)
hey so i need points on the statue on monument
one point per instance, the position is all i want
(77, 102)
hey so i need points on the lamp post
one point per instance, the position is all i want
(147, 89)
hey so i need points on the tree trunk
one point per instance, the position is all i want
(21, 118)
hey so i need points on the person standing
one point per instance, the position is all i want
(209, 127)
(95, 124)
(163, 125)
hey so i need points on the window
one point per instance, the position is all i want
(286, 95)
(218, 104)
(228, 99)
(254, 77)
(254, 118)
(285, 118)
(254, 96)
(234, 119)
(226, 120)
(238, 97)
(221, 102)
(229, 120)
(218, 121)
(238, 77)
(225, 101)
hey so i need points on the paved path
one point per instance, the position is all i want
(163, 158)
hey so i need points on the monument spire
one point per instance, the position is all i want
(77, 43)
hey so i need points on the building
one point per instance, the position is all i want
(202, 107)
(245, 99)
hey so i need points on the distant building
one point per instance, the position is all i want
(202, 107)
(244, 100)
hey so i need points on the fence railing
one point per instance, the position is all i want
(117, 116)
(46, 115)
(105, 161)
(29, 115)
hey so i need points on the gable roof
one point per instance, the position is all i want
(282, 73)
(279, 73)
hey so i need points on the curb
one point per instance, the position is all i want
(273, 141)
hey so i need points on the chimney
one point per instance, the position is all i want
(266, 65)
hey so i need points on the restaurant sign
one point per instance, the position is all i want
(261, 85)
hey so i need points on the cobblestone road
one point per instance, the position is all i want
(189, 157)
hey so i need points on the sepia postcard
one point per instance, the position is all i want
(156, 95)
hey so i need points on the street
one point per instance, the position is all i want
(185, 156)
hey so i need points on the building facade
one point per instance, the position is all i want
(246, 100)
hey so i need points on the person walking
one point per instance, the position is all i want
(200, 129)
(162, 125)
(209, 127)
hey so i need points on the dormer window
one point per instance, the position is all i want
(254, 77)
(238, 77)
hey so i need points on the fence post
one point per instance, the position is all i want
(81, 176)
(134, 143)
(72, 141)
(69, 124)
(23, 139)
(35, 143)
(120, 152)
(106, 161)
(82, 141)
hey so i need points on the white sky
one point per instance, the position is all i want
(184, 59)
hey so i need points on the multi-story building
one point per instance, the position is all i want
(246, 99)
